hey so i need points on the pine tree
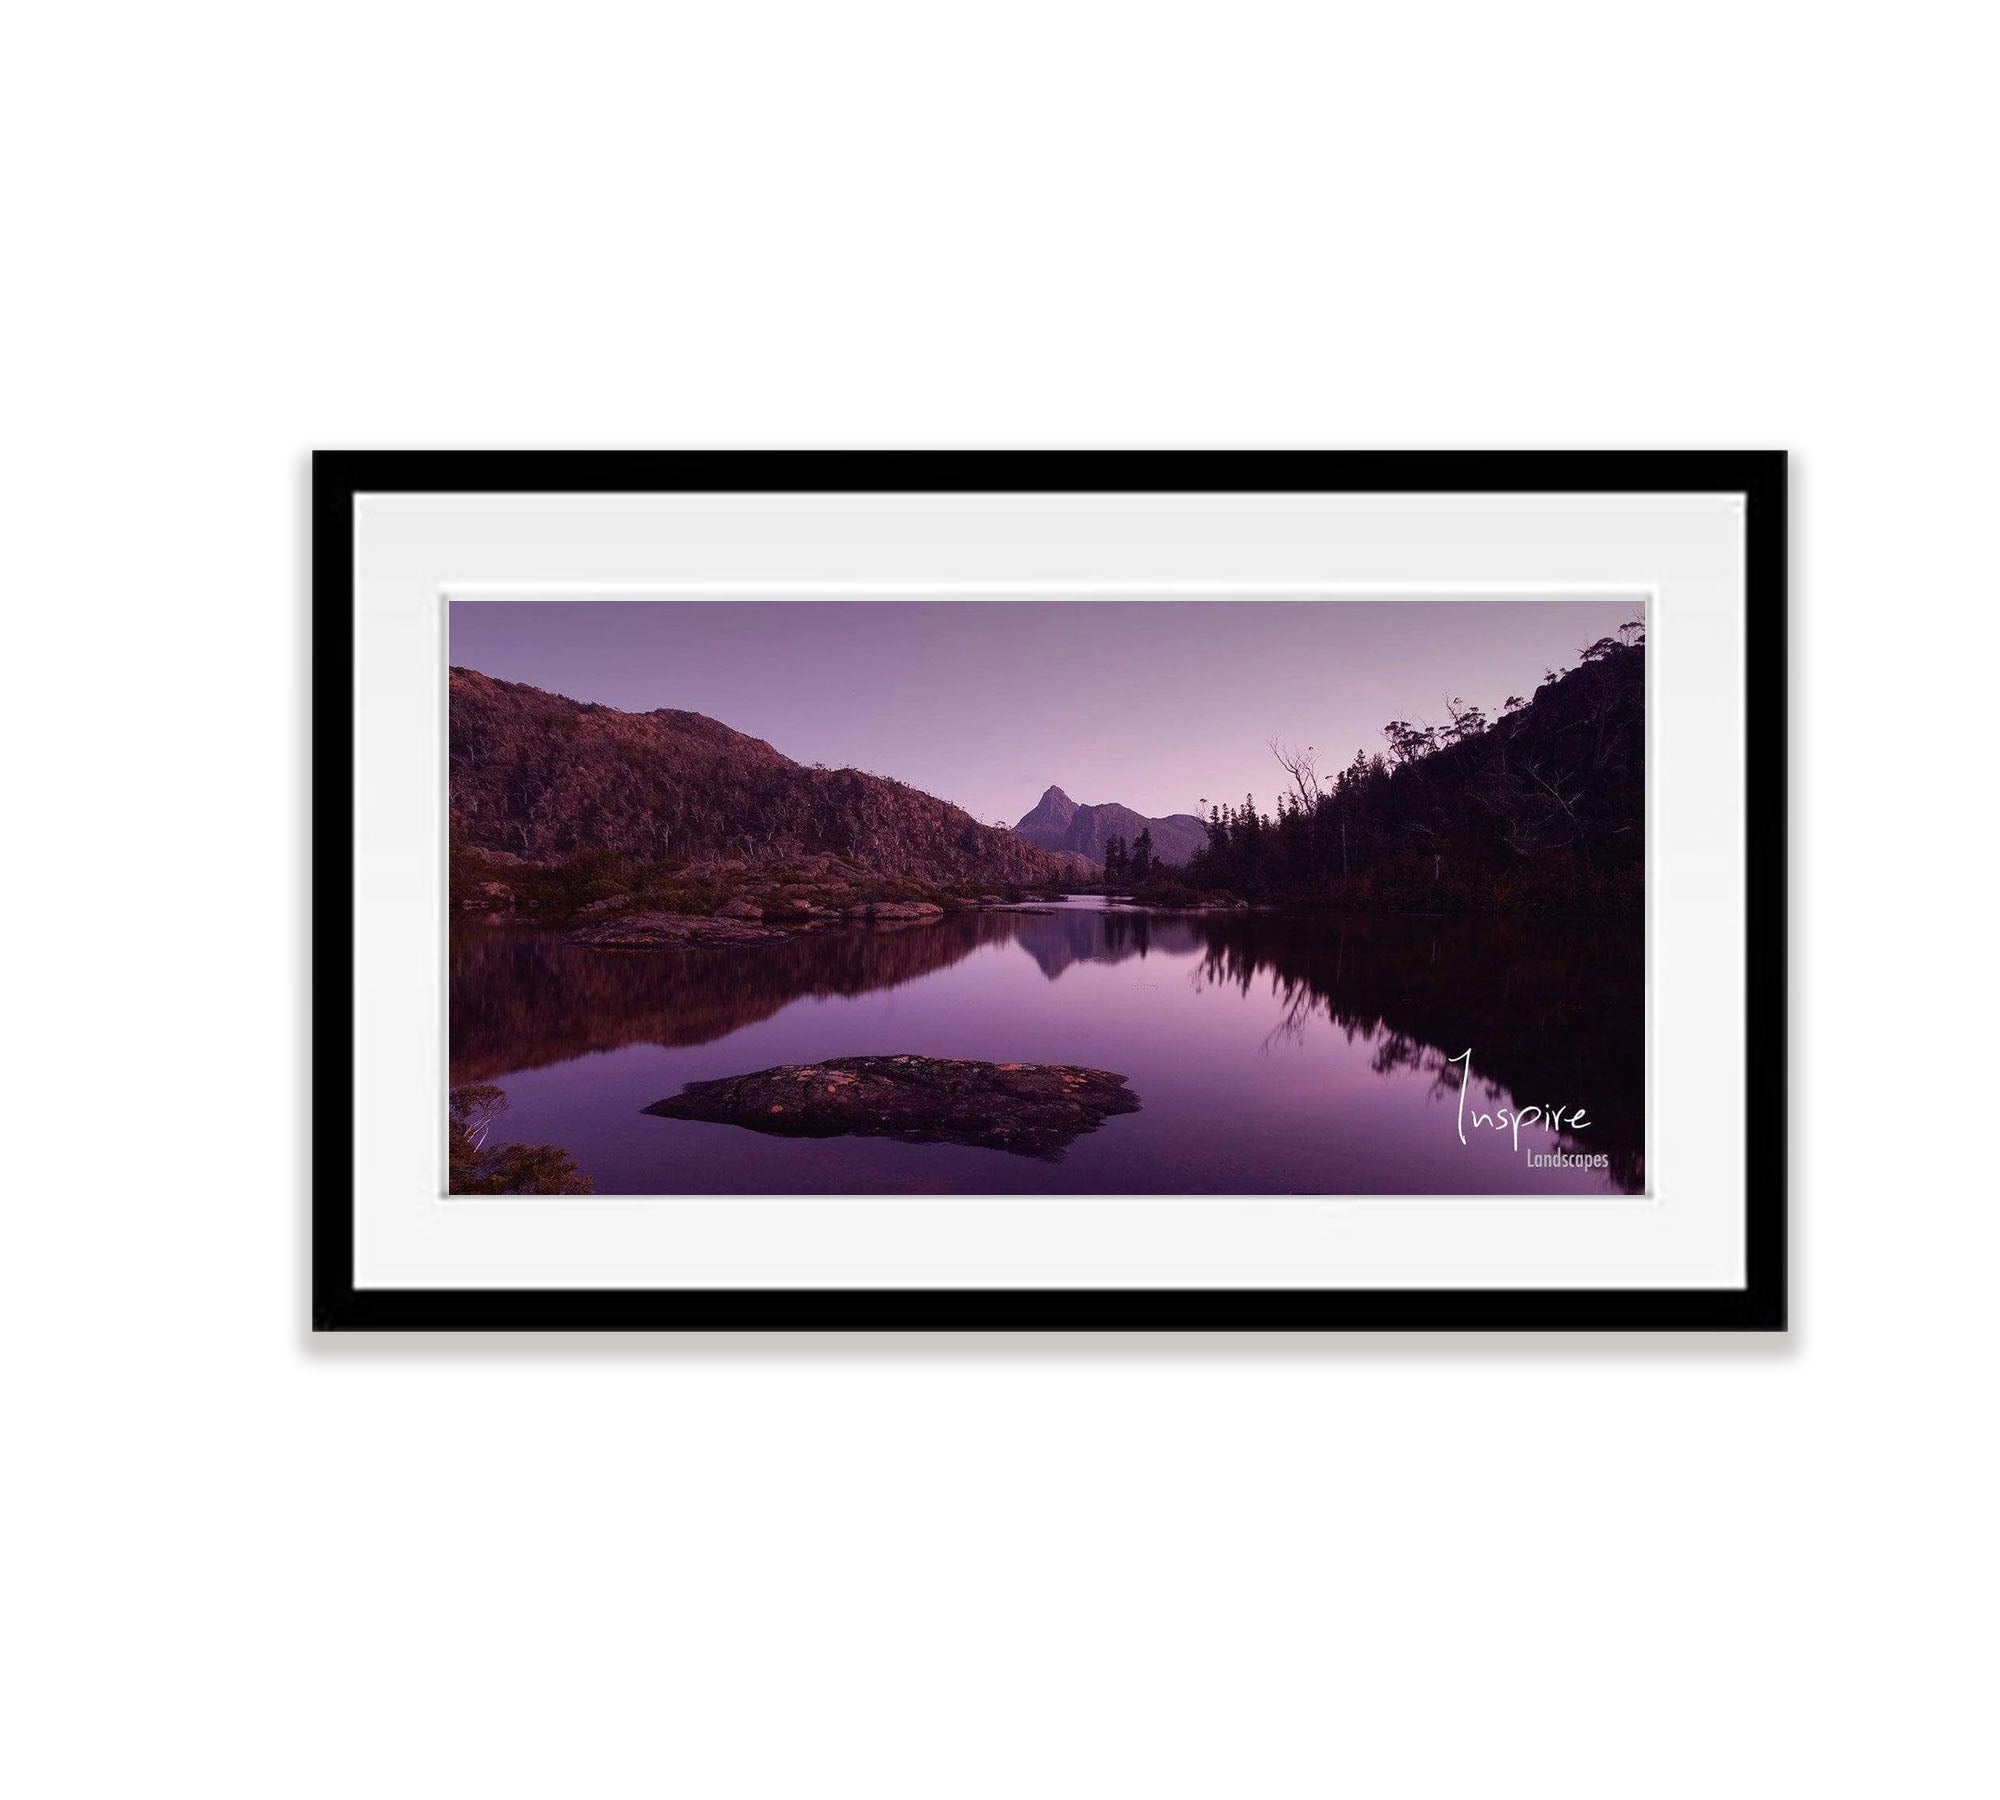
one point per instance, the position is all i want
(1142, 858)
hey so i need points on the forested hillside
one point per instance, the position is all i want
(1539, 808)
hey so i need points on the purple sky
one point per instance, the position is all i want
(985, 703)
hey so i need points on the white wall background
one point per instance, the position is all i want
(243, 1564)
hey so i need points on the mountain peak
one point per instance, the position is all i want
(1058, 823)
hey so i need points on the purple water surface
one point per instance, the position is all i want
(1269, 1055)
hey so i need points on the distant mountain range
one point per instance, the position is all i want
(545, 779)
(1059, 823)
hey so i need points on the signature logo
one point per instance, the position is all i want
(1553, 1120)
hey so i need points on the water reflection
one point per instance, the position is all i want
(1056, 940)
(1552, 1015)
(1327, 1069)
(521, 999)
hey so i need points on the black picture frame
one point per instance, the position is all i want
(338, 477)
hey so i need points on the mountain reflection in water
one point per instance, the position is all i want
(1273, 1054)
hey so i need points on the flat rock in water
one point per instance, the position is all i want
(674, 931)
(895, 911)
(1032, 1109)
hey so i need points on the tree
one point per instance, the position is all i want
(1466, 722)
(474, 1107)
(1303, 767)
(510, 1169)
(1409, 743)
(1142, 858)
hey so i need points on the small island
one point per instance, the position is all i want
(1031, 1109)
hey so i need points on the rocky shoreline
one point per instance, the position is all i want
(739, 923)
(726, 902)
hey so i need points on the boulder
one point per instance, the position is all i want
(739, 908)
(889, 911)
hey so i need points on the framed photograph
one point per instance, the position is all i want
(1067, 891)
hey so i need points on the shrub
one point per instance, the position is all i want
(510, 1168)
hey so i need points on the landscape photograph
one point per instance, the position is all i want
(1066, 896)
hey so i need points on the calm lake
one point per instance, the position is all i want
(1270, 1054)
